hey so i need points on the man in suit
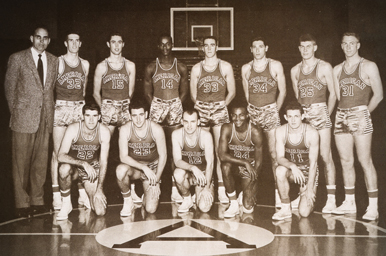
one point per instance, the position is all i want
(29, 84)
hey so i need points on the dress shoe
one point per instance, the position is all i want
(37, 209)
(23, 212)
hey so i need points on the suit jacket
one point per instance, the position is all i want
(25, 93)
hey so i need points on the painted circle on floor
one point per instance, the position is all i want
(184, 237)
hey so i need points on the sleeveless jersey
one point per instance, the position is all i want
(242, 149)
(211, 86)
(115, 83)
(142, 149)
(310, 88)
(353, 89)
(70, 83)
(195, 154)
(86, 150)
(297, 153)
(262, 86)
(166, 82)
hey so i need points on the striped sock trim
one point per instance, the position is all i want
(65, 193)
(372, 193)
(126, 194)
(55, 189)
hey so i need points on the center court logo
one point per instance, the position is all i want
(182, 237)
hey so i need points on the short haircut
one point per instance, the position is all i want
(138, 103)
(307, 38)
(72, 33)
(91, 106)
(40, 27)
(237, 104)
(115, 34)
(165, 36)
(356, 35)
(210, 37)
(294, 105)
(191, 111)
(259, 38)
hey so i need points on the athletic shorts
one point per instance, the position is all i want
(67, 112)
(306, 170)
(266, 117)
(82, 174)
(317, 116)
(114, 112)
(212, 113)
(354, 121)
(169, 111)
(243, 173)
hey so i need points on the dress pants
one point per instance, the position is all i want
(29, 165)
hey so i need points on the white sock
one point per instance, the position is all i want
(350, 197)
(373, 202)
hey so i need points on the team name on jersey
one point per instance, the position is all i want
(192, 153)
(352, 80)
(296, 151)
(209, 79)
(312, 82)
(142, 145)
(111, 77)
(85, 147)
(261, 79)
(166, 76)
(241, 148)
(70, 75)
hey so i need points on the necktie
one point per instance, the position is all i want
(40, 69)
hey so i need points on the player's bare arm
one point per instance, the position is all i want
(295, 79)
(245, 71)
(207, 143)
(312, 139)
(180, 163)
(335, 73)
(103, 159)
(64, 157)
(130, 68)
(193, 81)
(184, 86)
(278, 73)
(326, 75)
(159, 137)
(148, 82)
(86, 68)
(370, 74)
(230, 78)
(99, 71)
(257, 139)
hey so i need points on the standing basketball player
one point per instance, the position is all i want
(83, 153)
(313, 83)
(142, 150)
(166, 86)
(265, 90)
(359, 89)
(241, 145)
(212, 88)
(70, 90)
(297, 146)
(193, 157)
(114, 82)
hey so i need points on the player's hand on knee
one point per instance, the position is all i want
(150, 175)
(298, 175)
(200, 177)
(100, 196)
(251, 171)
(91, 172)
(206, 195)
(155, 191)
